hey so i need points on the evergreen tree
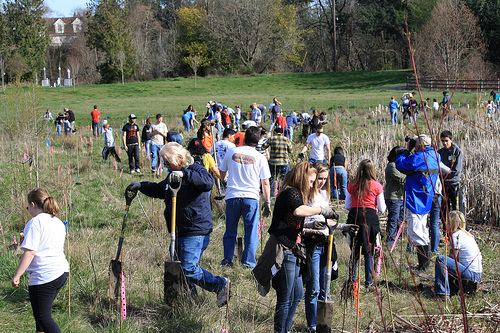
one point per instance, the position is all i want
(109, 32)
(28, 36)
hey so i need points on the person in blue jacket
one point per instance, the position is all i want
(194, 215)
(422, 172)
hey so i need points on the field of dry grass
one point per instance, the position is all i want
(90, 192)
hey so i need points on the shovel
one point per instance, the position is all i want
(173, 282)
(218, 182)
(325, 308)
(115, 266)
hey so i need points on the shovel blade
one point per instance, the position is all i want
(115, 268)
(174, 281)
(325, 316)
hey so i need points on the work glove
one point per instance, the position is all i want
(319, 225)
(299, 250)
(175, 177)
(134, 186)
(329, 213)
(351, 229)
(266, 209)
(301, 156)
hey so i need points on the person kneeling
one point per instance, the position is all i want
(464, 255)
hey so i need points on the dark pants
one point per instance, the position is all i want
(110, 151)
(41, 297)
(452, 193)
(133, 154)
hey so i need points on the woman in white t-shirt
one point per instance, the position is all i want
(43, 258)
(464, 253)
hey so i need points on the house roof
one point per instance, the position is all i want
(68, 24)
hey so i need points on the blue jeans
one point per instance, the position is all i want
(190, 251)
(441, 283)
(95, 128)
(395, 215)
(187, 125)
(249, 210)
(155, 155)
(220, 130)
(340, 191)
(58, 129)
(434, 223)
(312, 161)
(277, 172)
(147, 145)
(394, 116)
(289, 133)
(315, 287)
(289, 292)
(368, 269)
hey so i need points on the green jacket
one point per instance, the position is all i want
(394, 183)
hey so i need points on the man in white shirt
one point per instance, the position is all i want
(158, 134)
(247, 170)
(320, 146)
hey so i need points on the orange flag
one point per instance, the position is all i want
(356, 295)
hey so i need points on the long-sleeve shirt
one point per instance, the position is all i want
(280, 148)
(453, 159)
(422, 172)
(109, 141)
(394, 183)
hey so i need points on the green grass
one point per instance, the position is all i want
(171, 96)
(94, 192)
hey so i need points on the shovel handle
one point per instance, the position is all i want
(122, 235)
(129, 196)
(328, 276)
(174, 219)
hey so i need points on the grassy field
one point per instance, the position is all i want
(90, 192)
(171, 96)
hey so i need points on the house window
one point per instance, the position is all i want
(59, 27)
(77, 26)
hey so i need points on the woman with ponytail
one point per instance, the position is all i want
(43, 258)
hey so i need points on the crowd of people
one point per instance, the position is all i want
(410, 107)
(233, 152)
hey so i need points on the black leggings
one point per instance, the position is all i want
(41, 297)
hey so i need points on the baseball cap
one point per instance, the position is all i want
(424, 140)
(132, 116)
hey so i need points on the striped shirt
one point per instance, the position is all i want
(280, 146)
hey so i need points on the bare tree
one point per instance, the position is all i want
(258, 31)
(74, 64)
(450, 44)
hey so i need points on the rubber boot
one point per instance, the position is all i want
(423, 255)
(427, 261)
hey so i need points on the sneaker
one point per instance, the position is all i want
(223, 293)
(138, 170)
(153, 169)
(132, 171)
(226, 264)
